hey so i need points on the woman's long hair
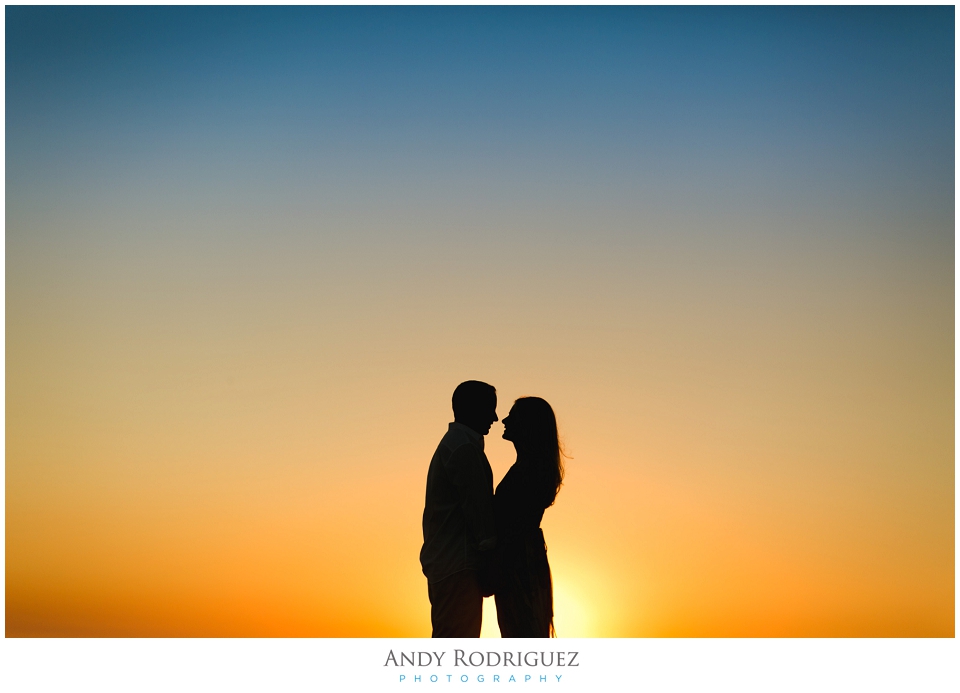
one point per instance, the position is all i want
(543, 440)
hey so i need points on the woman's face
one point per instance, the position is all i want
(513, 425)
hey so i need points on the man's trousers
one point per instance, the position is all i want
(456, 606)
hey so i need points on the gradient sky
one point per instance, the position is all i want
(251, 251)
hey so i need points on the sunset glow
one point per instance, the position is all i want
(251, 251)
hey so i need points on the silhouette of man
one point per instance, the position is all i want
(458, 523)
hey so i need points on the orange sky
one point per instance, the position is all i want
(743, 464)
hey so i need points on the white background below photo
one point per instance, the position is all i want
(743, 665)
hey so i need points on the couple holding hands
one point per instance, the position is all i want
(477, 542)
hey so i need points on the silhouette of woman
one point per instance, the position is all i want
(524, 593)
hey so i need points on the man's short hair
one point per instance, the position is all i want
(472, 396)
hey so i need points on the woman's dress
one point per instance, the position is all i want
(524, 594)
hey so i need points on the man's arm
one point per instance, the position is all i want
(467, 470)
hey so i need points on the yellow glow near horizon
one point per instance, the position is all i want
(573, 617)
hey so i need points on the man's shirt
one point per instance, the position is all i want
(458, 517)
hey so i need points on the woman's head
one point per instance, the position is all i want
(532, 427)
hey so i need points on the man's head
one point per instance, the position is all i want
(475, 405)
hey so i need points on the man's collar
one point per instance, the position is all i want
(471, 434)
